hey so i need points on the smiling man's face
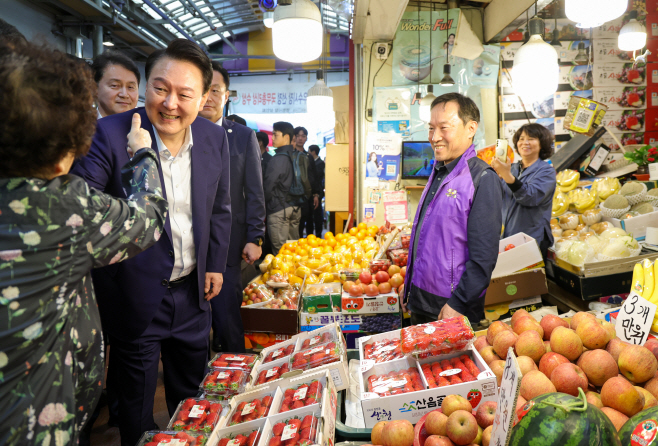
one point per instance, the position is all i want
(118, 90)
(449, 136)
(174, 96)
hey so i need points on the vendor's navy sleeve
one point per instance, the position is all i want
(484, 225)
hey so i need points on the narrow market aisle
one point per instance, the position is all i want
(104, 435)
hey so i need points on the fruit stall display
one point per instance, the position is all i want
(196, 415)
(243, 361)
(248, 437)
(583, 354)
(381, 278)
(157, 438)
(296, 430)
(301, 396)
(224, 382)
(644, 284)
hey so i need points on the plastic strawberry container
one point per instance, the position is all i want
(381, 351)
(196, 415)
(251, 410)
(446, 372)
(247, 437)
(299, 430)
(301, 396)
(279, 353)
(323, 338)
(399, 256)
(271, 373)
(244, 361)
(395, 382)
(438, 337)
(224, 381)
(316, 356)
(156, 438)
(379, 265)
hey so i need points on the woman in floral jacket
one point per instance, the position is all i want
(53, 230)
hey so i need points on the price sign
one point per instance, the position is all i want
(509, 394)
(634, 319)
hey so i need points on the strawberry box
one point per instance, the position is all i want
(196, 415)
(305, 394)
(411, 404)
(279, 352)
(446, 372)
(320, 338)
(297, 430)
(395, 382)
(383, 350)
(246, 434)
(378, 265)
(244, 361)
(316, 356)
(248, 438)
(224, 381)
(399, 256)
(171, 438)
(271, 372)
(438, 337)
(250, 410)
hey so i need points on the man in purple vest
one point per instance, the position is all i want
(457, 226)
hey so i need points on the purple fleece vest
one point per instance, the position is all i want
(442, 249)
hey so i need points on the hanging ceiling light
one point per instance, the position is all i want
(108, 41)
(425, 111)
(320, 98)
(633, 35)
(556, 42)
(581, 57)
(593, 13)
(297, 32)
(447, 79)
(535, 72)
(268, 18)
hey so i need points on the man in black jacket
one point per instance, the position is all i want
(282, 216)
(263, 143)
(300, 138)
(318, 213)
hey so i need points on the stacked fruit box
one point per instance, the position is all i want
(407, 377)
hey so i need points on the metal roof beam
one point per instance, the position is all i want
(230, 27)
(213, 27)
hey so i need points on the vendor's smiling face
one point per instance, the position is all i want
(174, 96)
(448, 134)
(527, 146)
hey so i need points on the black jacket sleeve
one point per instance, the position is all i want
(484, 225)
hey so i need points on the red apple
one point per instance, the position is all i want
(485, 414)
(462, 428)
(365, 277)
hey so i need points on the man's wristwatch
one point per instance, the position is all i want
(258, 241)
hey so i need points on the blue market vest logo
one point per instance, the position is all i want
(423, 404)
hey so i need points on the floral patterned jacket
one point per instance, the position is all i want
(52, 233)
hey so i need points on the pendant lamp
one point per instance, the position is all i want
(581, 57)
(268, 18)
(297, 32)
(320, 98)
(425, 110)
(447, 79)
(535, 72)
(633, 35)
(593, 13)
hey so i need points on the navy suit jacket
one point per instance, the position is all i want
(247, 198)
(129, 293)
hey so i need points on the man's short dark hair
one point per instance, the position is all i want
(285, 128)
(264, 138)
(301, 129)
(186, 51)
(468, 111)
(47, 101)
(216, 66)
(113, 57)
(236, 118)
(540, 132)
(315, 149)
(9, 34)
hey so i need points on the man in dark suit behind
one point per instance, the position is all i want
(157, 303)
(248, 213)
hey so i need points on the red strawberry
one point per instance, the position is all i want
(261, 411)
(251, 417)
(299, 364)
(284, 408)
(205, 404)
(240, 406)
(161, 437)
(188, 403)
(316, 358)
(178, 423)
(289, 393)
(308, 421)
(215, 407)
(253, 438)
(242, 440)
(310, 401)
(275, 441)
(185, 436)
(212, 419)
(151, 443)
(236, 418)
(297, 404)
(267, 401)
(293, 441)
(277, 429)
(287, 401)
(223, 442)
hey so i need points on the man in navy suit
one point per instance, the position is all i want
(247, 209)
(156, 304)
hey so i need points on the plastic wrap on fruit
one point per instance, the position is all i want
(299, 430)
(196, 415)
(399, 257)
(585, 200)
(567, 180)
(272, 373)
(244, 361)
(302, 395)
(379, 265)
(606, 187)
(381, 351)
(316, 356)
(247, 438)
(560, 203)
(156, 438)
(224, 381)
(448, 334)
(250, 410)
(279, 353)
(396, 382)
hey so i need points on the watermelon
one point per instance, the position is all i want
(556, 419)
(643, 425)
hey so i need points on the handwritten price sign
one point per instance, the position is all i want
(634, 319)
(509, 394)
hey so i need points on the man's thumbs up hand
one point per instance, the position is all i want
(138, 138)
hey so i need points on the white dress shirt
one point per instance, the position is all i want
(176, 177)
(219, 121)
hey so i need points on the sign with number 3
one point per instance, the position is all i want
(634, 319)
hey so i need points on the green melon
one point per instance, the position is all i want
(643, 420)
(558, 419)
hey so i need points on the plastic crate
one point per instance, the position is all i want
(346, 433)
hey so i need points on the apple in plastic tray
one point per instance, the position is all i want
(197, 415)
(300, 430)
(251, 410)
(302, 395)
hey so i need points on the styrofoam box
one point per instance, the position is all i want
(636, 225)
(413, 405)
(524, 254)
(274, 391)
(337, 370)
